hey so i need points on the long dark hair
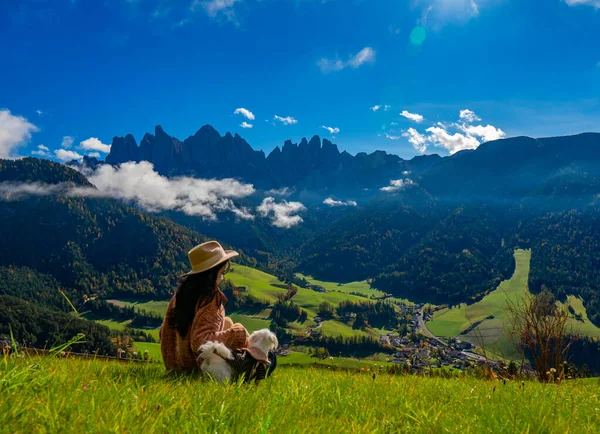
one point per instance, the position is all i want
(193, 291)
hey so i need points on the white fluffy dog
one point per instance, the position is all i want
(216, 357)
(260, 343)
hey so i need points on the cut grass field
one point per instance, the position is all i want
(152, 348)
(251, 323)
(336, 328)
(357, 287)
(99, 396)
(303, 359)
(362, 288)
(490, 331)
(584, 327)
(310, 300)
(155, 306)
(258, 283)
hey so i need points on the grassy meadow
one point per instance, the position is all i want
(362, 288)
(258, 283)
(58, 395)
(354, 287)
(490, 331)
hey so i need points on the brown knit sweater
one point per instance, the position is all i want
(210, 324)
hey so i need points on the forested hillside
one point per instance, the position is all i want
(94, 245)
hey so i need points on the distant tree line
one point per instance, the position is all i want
(283, 312)
(139, 317)
(380, 314)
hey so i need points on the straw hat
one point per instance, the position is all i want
(208, 255)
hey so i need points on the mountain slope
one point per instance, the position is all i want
(520, 167)
(95, 245)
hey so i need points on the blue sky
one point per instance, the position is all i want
(95, 69)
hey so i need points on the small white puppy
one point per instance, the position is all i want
(217, 359)
(260, 343)
(215, 356)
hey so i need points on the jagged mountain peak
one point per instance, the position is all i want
(315, 164)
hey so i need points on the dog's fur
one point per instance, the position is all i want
(214, 355)
(264, 340)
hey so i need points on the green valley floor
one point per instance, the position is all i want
(56, 395)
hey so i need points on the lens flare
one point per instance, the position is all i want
(418, 35)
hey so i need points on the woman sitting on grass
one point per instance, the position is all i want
(196, 314)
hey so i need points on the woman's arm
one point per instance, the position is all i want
(207, 327)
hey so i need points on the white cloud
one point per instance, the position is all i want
(283, 214)
(15, 131)
(332, 202)
(391, 137)
(385, 107)
(10, 191)
(468, 116)
(65, 155)
(437, 13)
(331, 130)
(487, 133)
(366, 55)
(288, 120)
(397, 184)
(412, 116)
(452, 142)
(42, 151)
(244, 112)
(67, 141)
(593, 3)
(418, 140)
(139, 183)
(285, 191)
(246, 125)
(394, 30)
(406, 172)
(215, 8)
(94, 144)
(467, 136)
(39, 112)
(94, 154)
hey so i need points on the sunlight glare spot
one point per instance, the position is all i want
(418, 35)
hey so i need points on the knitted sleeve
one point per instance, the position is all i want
(208, 326)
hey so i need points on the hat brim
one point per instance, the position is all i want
(228, 255)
